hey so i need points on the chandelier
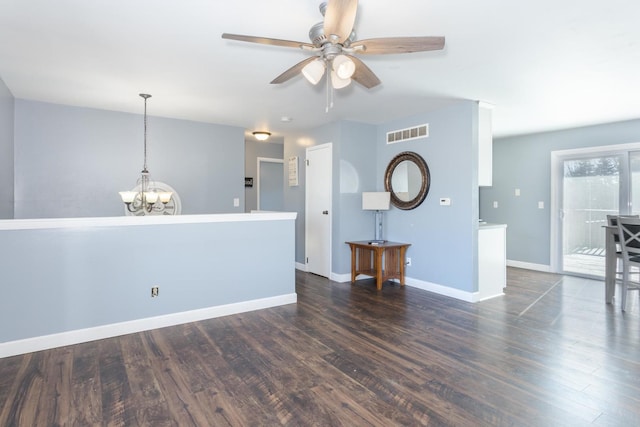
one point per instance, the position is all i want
(148, 198)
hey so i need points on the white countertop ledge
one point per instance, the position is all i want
(486, 226)
(120, 221)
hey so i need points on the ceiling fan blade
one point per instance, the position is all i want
(363, 74)
(293, 71)
(266, 40)
(339, 18)
(398, 45)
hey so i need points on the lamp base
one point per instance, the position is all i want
(378, 226)
(377, 242)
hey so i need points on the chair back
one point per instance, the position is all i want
(629, 233)
(612, 220)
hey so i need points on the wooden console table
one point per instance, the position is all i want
(383, 261)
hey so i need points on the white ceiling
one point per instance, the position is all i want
(545, 64)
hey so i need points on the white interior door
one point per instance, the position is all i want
(270, 185)
(318, 209)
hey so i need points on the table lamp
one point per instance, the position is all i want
(376, 201)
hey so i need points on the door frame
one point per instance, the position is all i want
(328, 146)
(557, 160)
(266, 160)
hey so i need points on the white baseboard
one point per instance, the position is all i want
(529, 266)
(341, 278)
(45, 342)
(442, 290)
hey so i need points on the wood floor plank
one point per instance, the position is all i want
(22, 407)
(116, 394)
(86, 388)
(147, 399)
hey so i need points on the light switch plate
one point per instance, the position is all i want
(517, 191)
(495, 204)
(540, 205)
(236, 202)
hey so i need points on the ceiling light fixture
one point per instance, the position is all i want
(314, 71)
(344, 66)
(261, 135)
(337, 82)
(143, 199)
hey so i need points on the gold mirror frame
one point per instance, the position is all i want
(425, 184)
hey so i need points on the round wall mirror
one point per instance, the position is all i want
(407, 179)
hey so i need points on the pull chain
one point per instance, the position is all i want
(329, 92)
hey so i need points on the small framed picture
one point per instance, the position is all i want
(248, 182)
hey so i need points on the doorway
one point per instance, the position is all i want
(270, 184)
(590, 184)
(318, 209)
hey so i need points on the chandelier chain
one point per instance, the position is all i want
(145, 132)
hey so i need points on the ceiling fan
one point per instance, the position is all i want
(334, 45)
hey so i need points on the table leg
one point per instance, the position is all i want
(403, 250)
(379, 252)
(353, 263)
(611, 260)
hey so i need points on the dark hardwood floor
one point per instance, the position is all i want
(549, 353)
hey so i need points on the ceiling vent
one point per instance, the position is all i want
(421, 131)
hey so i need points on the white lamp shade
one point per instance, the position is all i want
(337, 82)
(165, 196)
(314, 71)
(128, 196)
(376, 201)
(344, 66)
(151, 196)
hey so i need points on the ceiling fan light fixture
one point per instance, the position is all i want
(337, 82)
(261, 135)
(344, 66)
(314, 71)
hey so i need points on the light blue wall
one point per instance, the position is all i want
(354, 171)
(524, 162)
(65, 279)
(443, 238)
(6, 151)
(253, 150)
(71, 162)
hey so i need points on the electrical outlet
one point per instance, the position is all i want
(236, 202)
(408, 262)
(495, 205)
(154, 291)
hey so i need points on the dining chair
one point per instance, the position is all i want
(629, 238)
(612, 220)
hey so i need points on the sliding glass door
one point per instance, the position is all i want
(588, 185)
(592, 188)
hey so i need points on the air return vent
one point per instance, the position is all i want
(421, 131)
